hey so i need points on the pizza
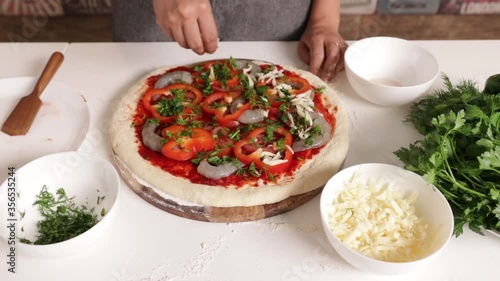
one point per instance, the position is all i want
(230, 132)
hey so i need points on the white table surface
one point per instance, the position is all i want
(26, 59)
(149, 244)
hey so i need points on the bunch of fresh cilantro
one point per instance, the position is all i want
(460, 151)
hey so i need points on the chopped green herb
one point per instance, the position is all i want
(232, 62)
(313, 133)
(155, 121)
(268, 69)
(195, 124)
(261, 90)
(217, 160)
(235, 136)
(181, 120)
(100, 199)
(173, 105)
(321, 89)
(270, 176)
(284, 107)
(186, 133)
(244, 81)
(222, 73)
(62, 219)
(250, 170)
(207, 90)
(199, 156)
(270, 130)
(25, 241)
(281, 145)
(217, 105)
(168, 134)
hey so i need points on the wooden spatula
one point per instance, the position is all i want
(21, 118)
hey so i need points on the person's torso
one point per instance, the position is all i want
(237, 20)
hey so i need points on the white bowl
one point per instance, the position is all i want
(390, 71)
(85, 177)
(430, 205)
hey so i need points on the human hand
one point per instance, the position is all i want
(188, 22)
(322, 48)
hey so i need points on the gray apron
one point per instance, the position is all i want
(237, 20)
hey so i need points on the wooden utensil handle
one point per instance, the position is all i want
(48, 72)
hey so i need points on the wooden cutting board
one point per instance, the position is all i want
(210, 213)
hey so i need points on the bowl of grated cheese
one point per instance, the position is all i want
(384, 219)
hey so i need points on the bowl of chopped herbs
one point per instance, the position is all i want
(61, 204)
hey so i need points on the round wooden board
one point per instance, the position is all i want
(210, 213)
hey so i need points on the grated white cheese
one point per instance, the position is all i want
(272, 159)
(376, 220)
(302, 133)
(304, 100)
(292, 122)
(304, 104)
(276, 91)
(282, 86)
(211, 76)
(271, 76)
(246, 72)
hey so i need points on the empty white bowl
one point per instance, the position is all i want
(390, 71)
(91, 180)
(430, 205)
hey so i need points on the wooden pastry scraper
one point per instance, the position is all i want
(21, 118)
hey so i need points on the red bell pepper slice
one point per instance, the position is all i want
(219, 104)
(183, 143)
(255, 140)
(299, 85)
(190, 98)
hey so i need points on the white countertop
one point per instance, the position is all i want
(149, 244)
